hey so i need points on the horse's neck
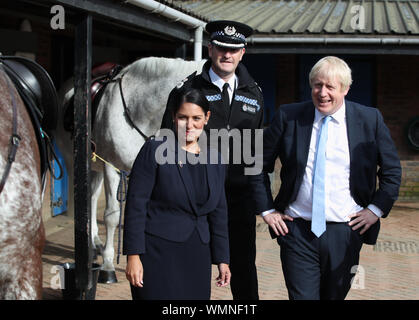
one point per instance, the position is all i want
(153, 67)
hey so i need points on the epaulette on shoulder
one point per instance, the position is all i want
(188, 78)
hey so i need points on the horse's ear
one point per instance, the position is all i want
(152, 137)
(186, 80)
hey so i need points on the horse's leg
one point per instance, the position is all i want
(23, 240)
(22, 233)
(111, 218)
(96, 183)
(22, 280)
(35, 264)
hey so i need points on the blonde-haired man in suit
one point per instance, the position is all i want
(328, 204)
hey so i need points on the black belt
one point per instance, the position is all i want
(309, 221)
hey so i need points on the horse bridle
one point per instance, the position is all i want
(121, 193)
(127, 111)
(14, 139)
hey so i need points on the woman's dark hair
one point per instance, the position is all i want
(191, 95)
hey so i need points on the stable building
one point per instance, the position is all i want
(119, 32)
(379, 39)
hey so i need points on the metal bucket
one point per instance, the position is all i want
(70, 291)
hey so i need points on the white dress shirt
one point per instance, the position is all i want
(339, 203)
(232, 82)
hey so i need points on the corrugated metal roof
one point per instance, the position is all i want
(382, 17)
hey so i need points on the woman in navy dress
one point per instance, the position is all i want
(175, 224)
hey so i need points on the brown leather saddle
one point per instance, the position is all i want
(101, 75)
(37, 91)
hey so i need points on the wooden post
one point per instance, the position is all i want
(82, 155)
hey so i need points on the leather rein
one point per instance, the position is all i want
(126, 110)
(14, 139)
(122, 187)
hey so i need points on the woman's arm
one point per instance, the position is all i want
(140, 187)
(218, 226)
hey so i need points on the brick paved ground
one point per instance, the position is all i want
(389, 270)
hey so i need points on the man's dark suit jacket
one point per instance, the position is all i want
(370, 145)
(161, 202)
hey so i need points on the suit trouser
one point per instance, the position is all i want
(242, 237)
(319, 268)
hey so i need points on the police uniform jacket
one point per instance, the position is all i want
(246, 111)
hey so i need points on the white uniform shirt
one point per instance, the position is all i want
(232, 82)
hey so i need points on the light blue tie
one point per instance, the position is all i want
(318, 219)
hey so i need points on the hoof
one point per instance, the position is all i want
(106, 276)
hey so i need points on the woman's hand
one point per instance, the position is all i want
(134, 270)
(224, 276)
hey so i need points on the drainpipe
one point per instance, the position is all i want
(175, 15)
(198, 43)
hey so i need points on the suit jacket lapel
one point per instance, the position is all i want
(304, 128)
(353, 128)
(211, 184)
(185, 176)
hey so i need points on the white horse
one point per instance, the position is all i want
(146, 85)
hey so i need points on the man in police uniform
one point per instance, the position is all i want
(236, 102)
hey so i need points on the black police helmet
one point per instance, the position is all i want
(228, 34)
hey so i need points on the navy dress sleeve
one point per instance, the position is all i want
(140, 187)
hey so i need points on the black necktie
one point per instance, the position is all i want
(226, 98)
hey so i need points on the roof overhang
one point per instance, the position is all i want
(319, 26)
(125, 15)
(333, 44)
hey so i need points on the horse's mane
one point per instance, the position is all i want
(155, 67)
